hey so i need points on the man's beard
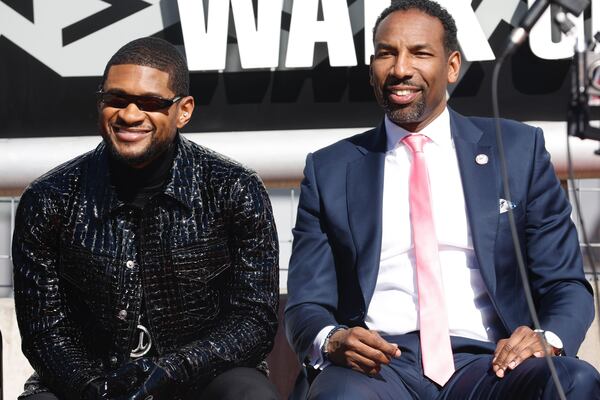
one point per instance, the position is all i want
(154, 149)
(401, 115)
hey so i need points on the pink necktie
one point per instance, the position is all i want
(438, 362)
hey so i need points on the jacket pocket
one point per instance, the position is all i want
(86, 272)
(198, 270)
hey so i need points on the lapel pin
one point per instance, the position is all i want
(481, 159)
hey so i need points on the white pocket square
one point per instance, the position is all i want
(506, 205)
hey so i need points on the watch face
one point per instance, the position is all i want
(553, 340)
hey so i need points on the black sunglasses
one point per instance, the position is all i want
(144, 103)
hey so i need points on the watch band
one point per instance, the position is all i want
(329, 335)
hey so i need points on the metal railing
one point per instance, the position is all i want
(8, 208)
(588, 193)
(284, 203)
(284, 207)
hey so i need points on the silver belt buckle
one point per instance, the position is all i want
(144, 342)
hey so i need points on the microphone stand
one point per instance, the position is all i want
(578, 124)
(578, 115)
(517, 37)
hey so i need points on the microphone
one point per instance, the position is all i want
(520, 33)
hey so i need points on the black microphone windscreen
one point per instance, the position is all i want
(575, 7)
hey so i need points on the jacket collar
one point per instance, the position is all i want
(183, 173)
(365, 196)
(179, 186)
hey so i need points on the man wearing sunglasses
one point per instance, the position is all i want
(148, 267)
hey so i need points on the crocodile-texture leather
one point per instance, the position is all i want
(204, 251)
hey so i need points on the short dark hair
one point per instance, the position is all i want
(430, 8)
(156, 53)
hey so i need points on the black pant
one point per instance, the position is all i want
(240, 384)
(234, 384)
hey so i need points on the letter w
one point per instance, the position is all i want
(206, 38)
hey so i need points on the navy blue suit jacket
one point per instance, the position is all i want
(337, 237)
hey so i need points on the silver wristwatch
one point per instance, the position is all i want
(553, 340)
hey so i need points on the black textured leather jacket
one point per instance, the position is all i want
(204, 251)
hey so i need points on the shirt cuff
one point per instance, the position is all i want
(315, 356)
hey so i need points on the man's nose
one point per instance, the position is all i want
(403, 67)
(131, 114)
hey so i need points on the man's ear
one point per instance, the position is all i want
(454, 61)
(371, 71)
(185, 110)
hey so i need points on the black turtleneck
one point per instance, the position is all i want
(135, 186)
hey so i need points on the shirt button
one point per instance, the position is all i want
(130, 264)
(122, 314)
(114, 360)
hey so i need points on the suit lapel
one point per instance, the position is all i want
(480, 190)
(364, 196)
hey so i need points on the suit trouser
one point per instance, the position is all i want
(233, 384)
(473, 379)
